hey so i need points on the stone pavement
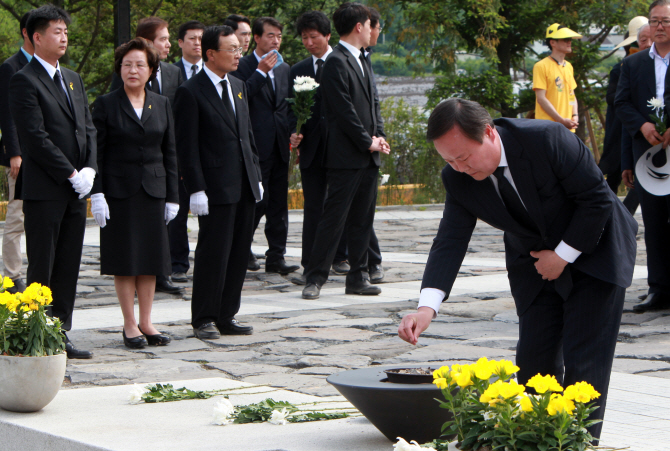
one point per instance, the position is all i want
(297, 343)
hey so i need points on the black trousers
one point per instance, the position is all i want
(178, 232)
(572, 339)
(350, 206)
(655, 216)
(374, 253)
(314, 191)
(54, 241)
(221, 257)
(274, 206)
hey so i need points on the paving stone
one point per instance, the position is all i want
(134, 370)
(652, 347)
(644, 330)
(349, 361)
(639, 318)
(290, 348)
(378, 349)
(84, 289)
(175, 347)
(509, 316)
(319, 370)
(639, 366)
(240, 369)
(359, 323)
(246, 340)
(307, 317)
(447, 351)
(509, 343)
(659, 321)
(328, 334)
(312, 385)
(216, 356)
(479, 309)
(663, 374)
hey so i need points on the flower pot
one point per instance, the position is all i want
(27, 384)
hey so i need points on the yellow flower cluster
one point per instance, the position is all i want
(501, 390)
(559, 403)
(9, 300)
(541, 384)
(32, 298)
(7, 283)
(581, 392)
(462, 375)
(525, 403)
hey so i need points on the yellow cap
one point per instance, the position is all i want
(553, 32)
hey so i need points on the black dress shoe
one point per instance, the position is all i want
(163, 284)
(299, 279)
(207, 331)
(376, 274)
(655, 301)
(179, 277)
(253, 264)
(340, 268)
(311, 291)
(642, 297)
(74, 353)
(19, 286)
(280, 267)
(362, 287)
(156, 339)
(134, 342)
(233, 327)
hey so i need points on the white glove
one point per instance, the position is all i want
(100, 209)
(171, 210)
(82, 181)
(199, 204)
(260, 187)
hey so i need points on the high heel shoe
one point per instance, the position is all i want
(134, 342)
(156, 339)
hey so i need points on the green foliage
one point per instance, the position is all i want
(262, 411)
(167, 393)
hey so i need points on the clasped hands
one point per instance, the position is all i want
(82, 181)
(649, 132)
(379, 144)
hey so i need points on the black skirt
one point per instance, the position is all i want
(135, 240)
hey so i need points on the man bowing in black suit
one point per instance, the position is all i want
(58, 145)
(219, 163)
(569, 243)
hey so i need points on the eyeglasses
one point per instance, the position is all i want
(656, 22)
(237, 51)
(379, 27)
(139, 66)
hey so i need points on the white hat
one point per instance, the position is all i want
(633, 27)
(654, 179)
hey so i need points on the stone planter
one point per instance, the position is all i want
(27, 384)
(409, 411)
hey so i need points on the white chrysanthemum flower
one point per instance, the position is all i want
(278, 417)
(303, 84)
(402, 445)
(222, 412)
(135, 395)
(656, 104)
(385, 178)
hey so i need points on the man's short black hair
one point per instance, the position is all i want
(23, 21)
(234, 19)
(313, 20)
(374, 17)
(40, 19)
(259, 25)
(348, 15)
(469, 116)
(190, 25)
(210, 38)
(658, 3)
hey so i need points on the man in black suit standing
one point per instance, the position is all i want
(268, 86)
(58, 145)
(352, 156)
(11, 158)
(218, 159)
(569, 242)
(242, 27)
(643, 77)
(190, 42)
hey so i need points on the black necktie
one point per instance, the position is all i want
(225, 98)
(512, 200)
(194, 70)
(364, 61)
(62, 90)
(155, 86)
(319, 70)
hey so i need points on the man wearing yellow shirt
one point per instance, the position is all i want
(553, 80)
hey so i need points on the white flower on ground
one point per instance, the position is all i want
(278, 417)
(402, 445)
(656, 104)
(222, 412)
(385, 178)
(135, 395)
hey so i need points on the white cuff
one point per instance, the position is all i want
(431, 297)
(567, 252)
(262, 73)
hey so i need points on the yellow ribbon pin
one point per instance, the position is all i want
(71, 87)
(149, 106)
(239, 95)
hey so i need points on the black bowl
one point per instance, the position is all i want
(395, 377)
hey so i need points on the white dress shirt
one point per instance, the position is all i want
(322, 58)
(188, 67)
(660, 67)
(219, 88)
(51, 70)
(271, 73)
(356, 53)
(433, 297)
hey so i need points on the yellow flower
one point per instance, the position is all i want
(581, 392)
(441, 383)
(511, 389)
(483, 369)
(491, 393)
(541, 384)
(559, 403)
(507, 367)
(441, 372)
(7, 283)
(526, 404)
(34, 306)
(500, 389)
(463, 378)
(6, 298)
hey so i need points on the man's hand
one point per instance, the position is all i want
(666, 138)
(295, 140)
(199, 204)
(267, 63)
(628, 177)
(379, 145)
(650, 134)
(414, 324)
(570, 124)
(549, 265)
(14, 166)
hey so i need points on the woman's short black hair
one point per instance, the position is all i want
(143, 45)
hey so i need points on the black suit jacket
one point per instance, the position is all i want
(9, 143)
(567, 198)
(171, 79)
(350, 112)
(611, 158)
(378, 111)
(637, 85)
(216, 153)
(315, 130)
(54, 141)
(268, 110)
(134, 152)
(182, 69)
